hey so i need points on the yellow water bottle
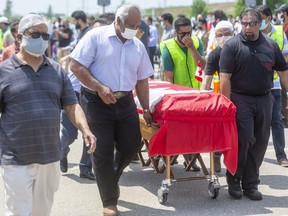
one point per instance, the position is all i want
(216, 82)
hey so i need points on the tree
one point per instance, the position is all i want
(49, 12)
(273, 4)
(198, 7)
(8, 9)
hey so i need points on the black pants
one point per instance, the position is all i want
(116, 127)
(253, 119)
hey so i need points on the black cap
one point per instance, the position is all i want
(282, 8)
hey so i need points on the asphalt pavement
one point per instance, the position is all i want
(139, 185)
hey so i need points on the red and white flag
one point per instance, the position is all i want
(199, 73)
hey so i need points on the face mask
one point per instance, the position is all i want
(35, 47)
(263, 25)
(163, 25)
(222, 40)
(77, 26)
(129, 33)
(214, 24)
(280, 17)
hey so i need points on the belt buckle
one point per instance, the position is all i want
(119, 94)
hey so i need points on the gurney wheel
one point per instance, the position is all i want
(162, 196)
(213, 192)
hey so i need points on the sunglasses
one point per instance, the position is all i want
(185, 33)
(36, 35)
(251, 24)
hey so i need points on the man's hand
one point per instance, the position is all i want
(148, 118)
(107, 95)
(187, 40)
(90, 141)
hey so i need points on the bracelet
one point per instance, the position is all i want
(146, 110)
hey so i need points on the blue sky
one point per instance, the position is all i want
(23, 7)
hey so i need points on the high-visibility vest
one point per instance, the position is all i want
(278, 37)
(184, 65)
(1, 40)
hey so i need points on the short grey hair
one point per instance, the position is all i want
(124, 10)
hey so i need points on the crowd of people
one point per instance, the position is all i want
(60, 77)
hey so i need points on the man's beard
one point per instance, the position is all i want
(249, 37)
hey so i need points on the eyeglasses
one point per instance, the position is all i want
(251, 24)
(185, 33)
(220, 35)
(36, 35)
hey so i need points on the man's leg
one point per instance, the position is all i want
(45, 186)
(101, 120)
(256, 152)
(68, 134)
(278, 135)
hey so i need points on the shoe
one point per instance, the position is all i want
(110, 211)
(234, 188)
(64, 165)
(253, 194)
(195, 167)
(283, 162)
(88, 175)
(217, 164)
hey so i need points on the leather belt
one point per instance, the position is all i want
(117, 94)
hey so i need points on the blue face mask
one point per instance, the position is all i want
(35, 47)
(263, 25)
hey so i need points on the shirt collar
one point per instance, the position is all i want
(18, 63)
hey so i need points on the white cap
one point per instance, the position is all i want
(4, 20)
(31, 20)
(224, 24)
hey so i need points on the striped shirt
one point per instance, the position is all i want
(30, 103)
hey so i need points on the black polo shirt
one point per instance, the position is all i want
(30, 103)
(251, 64)
(213, 61)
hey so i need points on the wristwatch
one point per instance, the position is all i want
(146, 110)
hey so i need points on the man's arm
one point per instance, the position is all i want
(206, 84)
(225, 84)
(142, 90)
(283, 75)
(77, 117)
(195, 54)
(85, 77)
(169, 76)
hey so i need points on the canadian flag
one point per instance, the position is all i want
(199, 73)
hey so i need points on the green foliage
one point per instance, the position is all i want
(198, 7)
(273, 4)
(49, 12)
(8, 9)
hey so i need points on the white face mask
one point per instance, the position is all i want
(129, 33)
(222, 40)
(35, 47)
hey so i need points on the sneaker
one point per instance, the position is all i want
(64, 165)
(234, 188)
(252, 194)
(283, 162)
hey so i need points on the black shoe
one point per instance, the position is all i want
(64, 165)
(195, 167)
(88, 175)
(234, 188)
(253, 194)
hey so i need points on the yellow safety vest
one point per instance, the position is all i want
(184, 65)
(278, 37)
(1, 40)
